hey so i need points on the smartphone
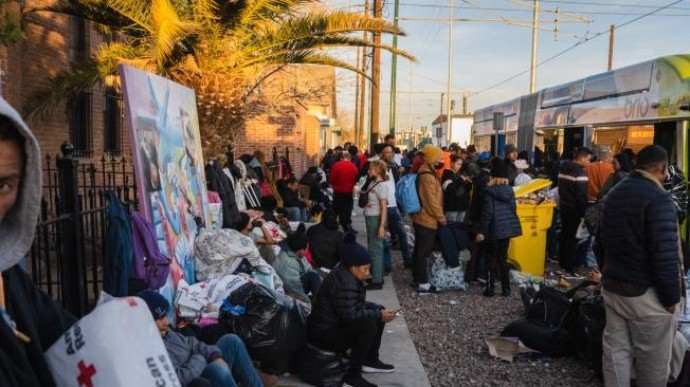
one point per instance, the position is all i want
(397, 310)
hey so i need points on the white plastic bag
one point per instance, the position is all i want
(118, 344)
(582, 232)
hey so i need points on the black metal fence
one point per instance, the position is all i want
(66, 259)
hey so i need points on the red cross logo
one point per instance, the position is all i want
(131, 301)
(85, 374)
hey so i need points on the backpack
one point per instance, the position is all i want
(117, 260)
(364, 194)
(149, 264)
(406, 193)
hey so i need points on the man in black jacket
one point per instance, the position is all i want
(342, 319)
(31, 322)
(572, 190)
(641, 274)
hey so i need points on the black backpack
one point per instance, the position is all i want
(364, 193)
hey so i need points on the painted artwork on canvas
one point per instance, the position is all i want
(165, 141)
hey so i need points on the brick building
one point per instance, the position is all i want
(94, 122)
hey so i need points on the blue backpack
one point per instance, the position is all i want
(406, 193)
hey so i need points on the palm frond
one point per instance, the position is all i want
(98, 12)
(81, 77)
(168, 28)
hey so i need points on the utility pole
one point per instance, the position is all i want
(394, 73)
(611, 32)
(357, 127)
(363, 86)
(376, 79)
(409, 102)
(450, 72)
(535, 37)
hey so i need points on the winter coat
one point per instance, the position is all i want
(291, 268)
(431, 199)
(37, 316)
(456, 193)
(479, 184)
(118, 249)
(611, 182)
(189, 355)
(639, 236)
(219, 182)
(341, 300)
(499, 213)
(572, 187)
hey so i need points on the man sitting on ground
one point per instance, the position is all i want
(324, 239)
(341, 319)
(198, 364)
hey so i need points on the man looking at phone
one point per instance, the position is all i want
(342, 319)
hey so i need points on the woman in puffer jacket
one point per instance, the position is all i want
(499, 222)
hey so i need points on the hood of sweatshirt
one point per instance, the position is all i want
(18, 226)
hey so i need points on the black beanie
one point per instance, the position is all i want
(499, 169)
(298, 239)
(157, 304)
(352, 253)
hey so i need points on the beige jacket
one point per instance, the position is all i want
(431, 199)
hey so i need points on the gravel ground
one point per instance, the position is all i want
(449, 329)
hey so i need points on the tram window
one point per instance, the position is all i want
(618, 138)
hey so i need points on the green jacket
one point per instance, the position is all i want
(291, 268)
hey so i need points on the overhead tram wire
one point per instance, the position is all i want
(581, 42)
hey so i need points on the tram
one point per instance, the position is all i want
(646, 103)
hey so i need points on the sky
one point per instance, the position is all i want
(492, 50)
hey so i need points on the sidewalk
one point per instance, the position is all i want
(397, 347)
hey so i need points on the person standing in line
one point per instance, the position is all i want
(572, 190)
(426, 221)
(599, 172)
(395, 222)
(375, 215)
(343, 178)
(456, 187)
(511, 156)
(642, 275)
(498, 224)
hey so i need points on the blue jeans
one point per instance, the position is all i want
(396, 228)
(375, 246)
(241, 367)
(296, 214)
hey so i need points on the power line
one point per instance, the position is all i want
(581, 42)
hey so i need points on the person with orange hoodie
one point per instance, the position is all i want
(426, 221)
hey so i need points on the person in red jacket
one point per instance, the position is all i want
(343, 178)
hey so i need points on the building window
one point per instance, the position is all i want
(112, 122)
(79, 106)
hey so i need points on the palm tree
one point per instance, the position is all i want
(222, 49)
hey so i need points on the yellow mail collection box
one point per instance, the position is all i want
(527, 253)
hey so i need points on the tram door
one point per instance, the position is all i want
(665, 136)
(573, 138)
(500, 152)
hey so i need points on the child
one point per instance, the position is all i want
(498, 223)
(199, 364)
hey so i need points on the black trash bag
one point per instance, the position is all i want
(273, 326)
(320, 368)
(550, 341)
(550, 307)
(589, 331)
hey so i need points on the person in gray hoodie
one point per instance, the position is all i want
(198, 364)
(31, 321)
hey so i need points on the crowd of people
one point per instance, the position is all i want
(631, 205)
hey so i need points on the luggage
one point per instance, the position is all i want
(589, 330)
(443, 277)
